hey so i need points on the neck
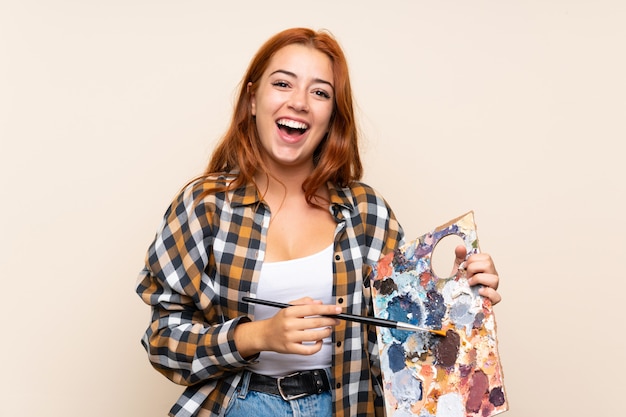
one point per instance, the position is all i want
(283, 184)
(288, 179)
(279, 185)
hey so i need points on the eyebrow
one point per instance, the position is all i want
(316, 80)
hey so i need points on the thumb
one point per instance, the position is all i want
(461, 253)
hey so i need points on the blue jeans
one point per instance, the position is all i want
(247, 403)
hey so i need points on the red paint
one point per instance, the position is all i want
(478, 389)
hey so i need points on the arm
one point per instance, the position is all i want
(188, 339)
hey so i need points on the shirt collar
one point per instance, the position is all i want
(338, 196)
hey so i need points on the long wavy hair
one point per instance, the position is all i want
(336, 158)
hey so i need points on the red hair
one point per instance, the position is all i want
(336, 159)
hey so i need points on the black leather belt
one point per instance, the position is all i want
(290, 387)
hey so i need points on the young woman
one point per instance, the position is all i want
(279, 214)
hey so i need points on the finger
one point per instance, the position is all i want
(307, 342)
(305, 348)
(284, 335)
(313, 335)
(487, 280)
(491, 294)
(307, 310)
(480, 263)
(305, 301)
(316, 322)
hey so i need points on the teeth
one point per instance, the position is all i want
(292, 124)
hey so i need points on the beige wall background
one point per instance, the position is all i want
(513, 109)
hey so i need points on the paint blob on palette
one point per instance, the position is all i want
(428, 375)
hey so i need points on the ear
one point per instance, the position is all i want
(252, 99)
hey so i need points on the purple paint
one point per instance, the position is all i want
(400, 261)
(465, 370)
(496, 396)
(478, 320)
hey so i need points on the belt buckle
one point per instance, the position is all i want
(285, 396)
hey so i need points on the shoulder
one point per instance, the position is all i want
(361, 200)
(371, 216)
(200, 195)
(205, 188)
(213, 184)
(365, 194)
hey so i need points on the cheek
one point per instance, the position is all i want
(264, 103)
(324, 114)
(329, 119)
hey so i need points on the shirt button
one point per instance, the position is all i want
(338, 385)
(337, 257)
(338, 344)
(340, 300)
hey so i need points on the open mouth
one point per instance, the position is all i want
(292, 127)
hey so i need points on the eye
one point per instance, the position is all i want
(321, 93)
(280, 84)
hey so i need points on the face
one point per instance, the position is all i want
(293, 104)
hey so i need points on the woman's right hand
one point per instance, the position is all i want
(297, 329)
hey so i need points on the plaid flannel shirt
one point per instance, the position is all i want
(208, 253)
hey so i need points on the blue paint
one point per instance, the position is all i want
(461, 312)
(402, 308)
(436, 309)
(404, 279)
(396, 357)
(460, 309)
(406, 390)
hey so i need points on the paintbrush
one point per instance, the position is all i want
(352, 317)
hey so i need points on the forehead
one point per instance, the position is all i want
(303, 61)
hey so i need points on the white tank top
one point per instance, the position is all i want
(284, 281)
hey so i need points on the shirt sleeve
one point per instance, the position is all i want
(188, 340)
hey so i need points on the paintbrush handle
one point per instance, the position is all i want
(374, 321)
(349, 317)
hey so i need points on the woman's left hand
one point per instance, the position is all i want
(480, 269)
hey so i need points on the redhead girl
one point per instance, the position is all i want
(278, 214)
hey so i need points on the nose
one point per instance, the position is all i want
(299, 100)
